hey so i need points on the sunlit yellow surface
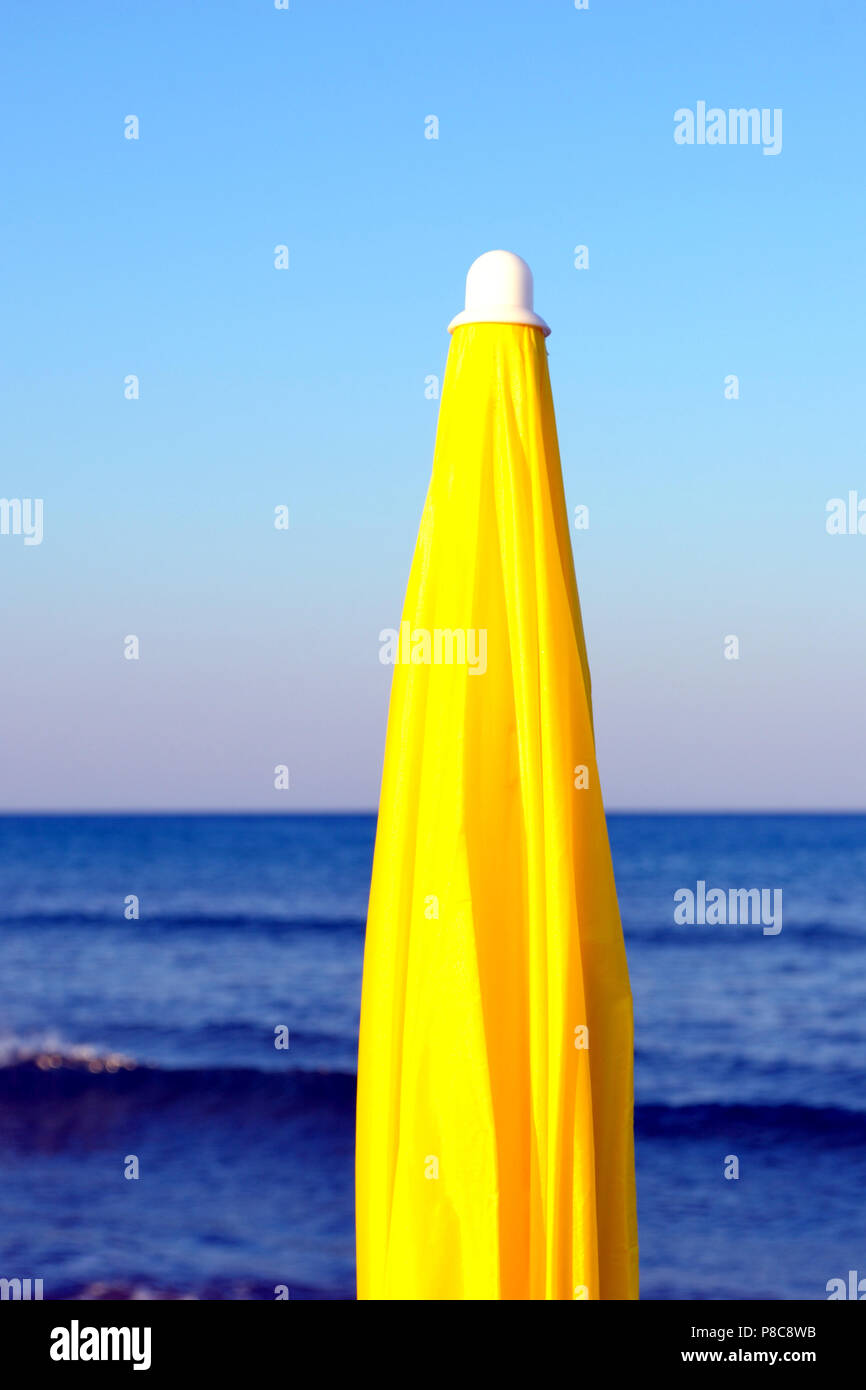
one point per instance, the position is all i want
(494, 1133)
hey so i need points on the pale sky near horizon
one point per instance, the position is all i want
(306, 387)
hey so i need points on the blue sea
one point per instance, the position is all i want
(151, 1040)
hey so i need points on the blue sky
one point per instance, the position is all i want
(155, 256)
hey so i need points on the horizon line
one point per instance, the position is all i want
(373, 811)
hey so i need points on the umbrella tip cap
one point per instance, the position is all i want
(499, 289)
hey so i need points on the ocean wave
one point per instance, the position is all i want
(640, 933)
(822, 1123)
(100, 1082)
(60, 1098)
(38, 1048)
(144, 1289)
(209, 918)
(643, 929)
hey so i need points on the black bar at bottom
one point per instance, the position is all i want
(233, 1338)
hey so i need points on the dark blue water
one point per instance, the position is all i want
(154, 1038)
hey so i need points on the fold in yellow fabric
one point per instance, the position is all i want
(495, 1152)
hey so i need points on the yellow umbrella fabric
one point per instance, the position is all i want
(495, 1153)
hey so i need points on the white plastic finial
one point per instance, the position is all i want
(499, 290)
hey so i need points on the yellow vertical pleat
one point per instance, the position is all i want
(494, 1157)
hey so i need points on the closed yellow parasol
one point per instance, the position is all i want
(495, 1155)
